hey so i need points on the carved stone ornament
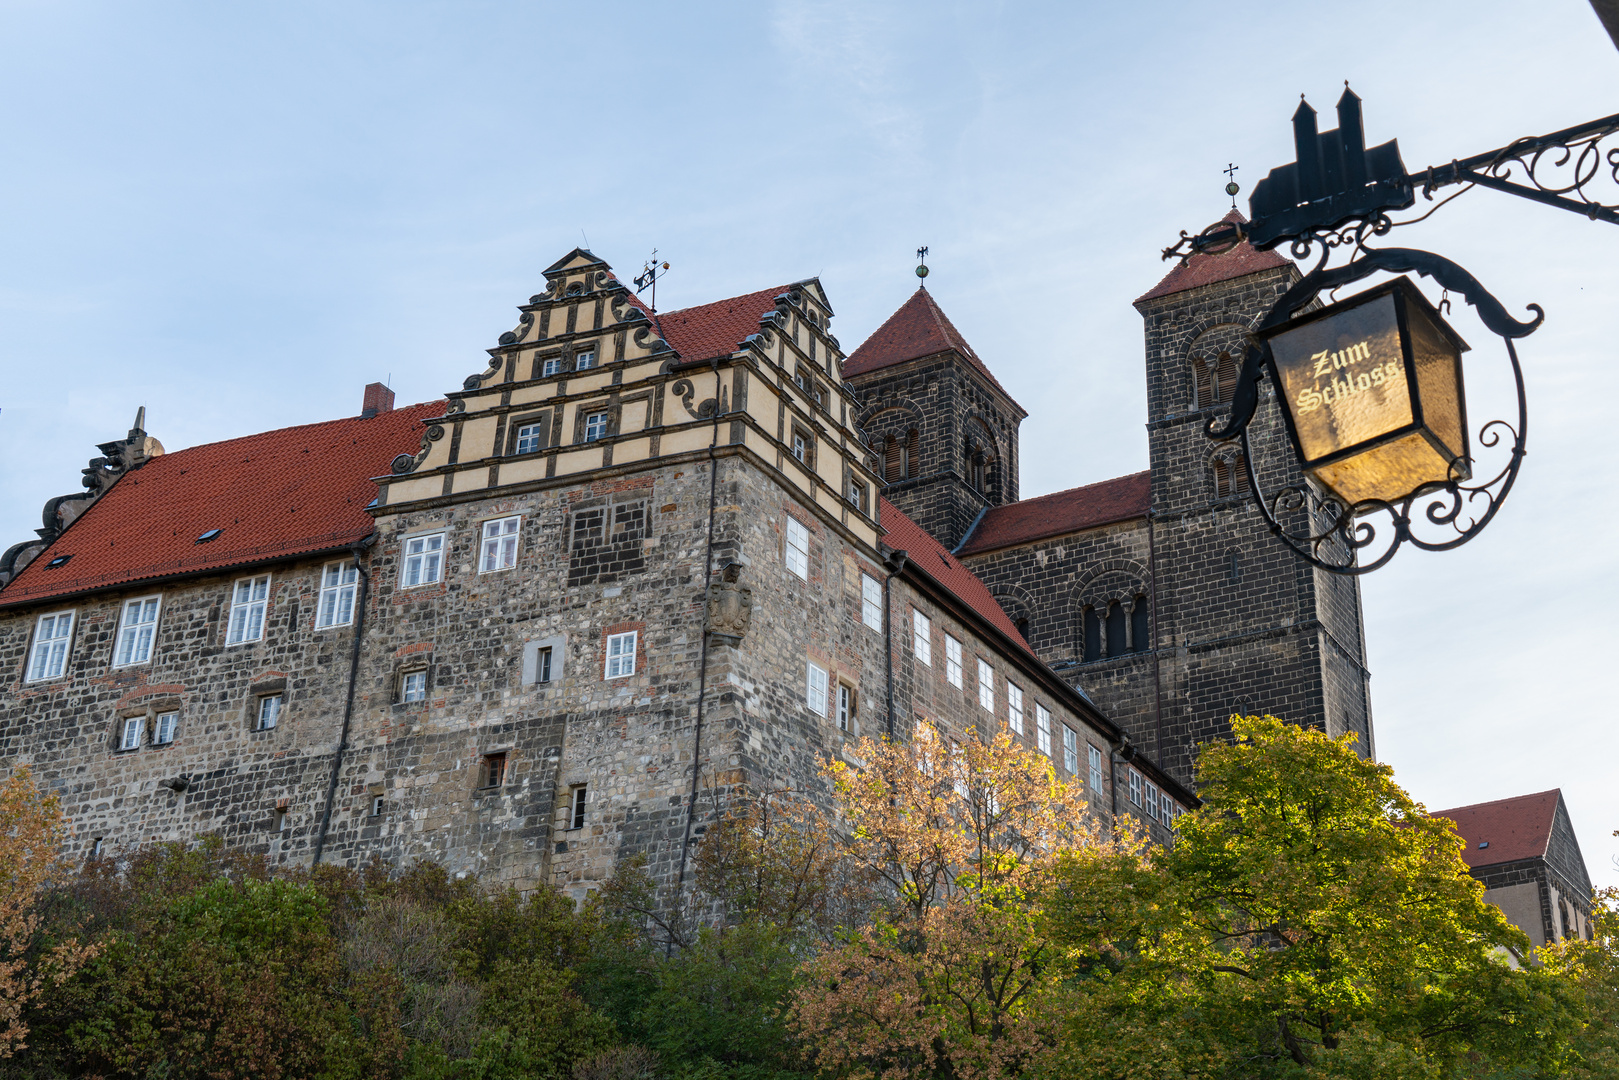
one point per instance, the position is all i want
(730, 610)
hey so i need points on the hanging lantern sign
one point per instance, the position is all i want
(1372, 390)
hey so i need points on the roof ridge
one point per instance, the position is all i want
(294, 427)
(1494, 802)
(723, 300)
(1076, 487)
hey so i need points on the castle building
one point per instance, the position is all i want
(641, 562)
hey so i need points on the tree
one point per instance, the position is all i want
(1311, 920)
(1591, 966)
(31, 836)
(955, 978)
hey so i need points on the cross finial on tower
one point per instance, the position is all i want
(922, 263)
(1231, 187)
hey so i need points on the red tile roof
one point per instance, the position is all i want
(919, 328)
(1516, 829)
(275, 495)
(926, 552)
(1120, 499)
(717, 329)
(1209, 269)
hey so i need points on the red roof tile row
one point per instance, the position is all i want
(717, 329)
(274, 495)
(1119, 499)
(1240, 261)
(1515, 829)
(919, 328)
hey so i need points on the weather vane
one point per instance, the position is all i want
(648, 278)
(1231, 187)
(921, 262)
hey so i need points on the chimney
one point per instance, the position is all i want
(378, 399)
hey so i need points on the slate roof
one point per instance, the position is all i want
(926, 552)
(1516, 829)
(275, 495)
(717, 329)
(1208, 269)
(919, 328)
(1120, 499)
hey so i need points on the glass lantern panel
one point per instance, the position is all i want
(1388, 472)
(1343, 377)
(1439, 382)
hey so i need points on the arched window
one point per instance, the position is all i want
(1230, 477)
(1023, 629)
(913, 454)
(1216, 379)
(1093, 635)
(893, 460)
(1140, 631)
(1117, 618)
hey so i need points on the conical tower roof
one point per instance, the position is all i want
(919, 328)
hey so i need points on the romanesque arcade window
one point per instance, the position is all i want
(1215, 378)
(1116, 628)
(1230, 476)
(902, 456)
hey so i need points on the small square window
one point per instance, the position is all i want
(846, 708)
(871, 602)
(493, 770)
(798, 546)
(424, 561)
(530, 437)
(577, 817)
(922, 637)
(269, 711)
(815, 689)
(621, 655)
(499, 550)
(551, 365)
(952, 661)
(52, 634)
(167, 724)
(413, 687)
(130, 738)
(249, 598)
(595, 426)
(584, 360)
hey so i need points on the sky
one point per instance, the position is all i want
(237, 215)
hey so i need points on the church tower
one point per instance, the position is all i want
(944, 431)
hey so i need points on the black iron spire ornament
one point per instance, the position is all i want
(922, 264)
(648, 279)
(1231, 186)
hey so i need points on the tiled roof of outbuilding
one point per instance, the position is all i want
(1062, 512)
(926, 552)
(1209, 269)
(278, 494)
(919, 328)
(1515, 829)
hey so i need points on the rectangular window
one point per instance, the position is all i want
(337, 584)
(1167, 810)
(52, 634)
(494, 770)
(167, 723)
(1095, 757)
(1152, 799)
(922, 637)
(1042, 728)
(376, 805)
(248, 599)
(986, 686)
(552, 365)
(621, 654)
(131, 737)
(846, 708)
(871, 602)
(1135, 787)
(580, 793)
(952, 661)
(800, 446)
(499, 550)
(595, 426)
(815, 690)
(857, 495)
(424, 561)
(542, 665)
(136, 629)
(1070, 751)
(414, 686)
(529, 438)
(1014, 707)
(584, 360)
(269, 711)
(798, 548)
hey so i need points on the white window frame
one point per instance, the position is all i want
(1167, 810)
(871, 602)
(339, 585)
(48, 657)
(249, 603)
(798, 547)
(137, 641)
(1135, 787)
(269, 712)
(413, 686)
(848, 706)
(1152, 799)
(579, 799)
(1014, 706)
(986, 686)
(922, 637)
(536, 429)
(1094, 760)
(597, 425)
(952, 661)
(423, 560)
(497, 544)
(584, 360)
(800, 446)
(1070, 750)
(815, 688)
(621, 654)
(168, 725)
(551, 365)
(132, 730)
(1042, 728)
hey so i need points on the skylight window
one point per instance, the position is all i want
(209, 535)
(60, 560)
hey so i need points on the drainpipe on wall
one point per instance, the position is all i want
(348, 705)
(896, 560)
